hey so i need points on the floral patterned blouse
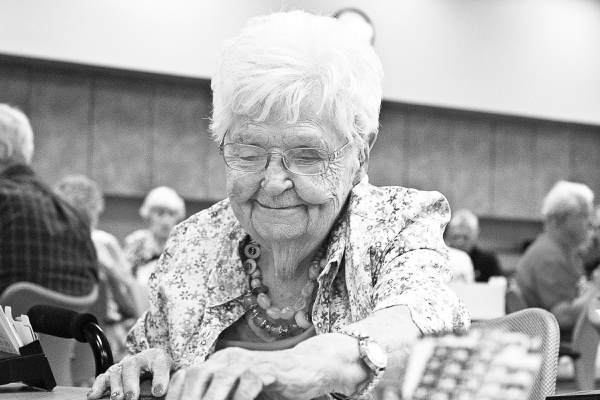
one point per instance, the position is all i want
(385, 249)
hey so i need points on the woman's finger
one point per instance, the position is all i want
(132, 368)
(197, 379)
(221, 385)
(160, 366)
(101, 384)
(249, 386)
(116, 384)
(176, 385)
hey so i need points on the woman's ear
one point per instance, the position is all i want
(364, 158)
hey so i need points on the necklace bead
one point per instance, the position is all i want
(277, 322)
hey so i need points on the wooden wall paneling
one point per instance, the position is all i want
(472, 164)
(122, 135)
(514, 195)
(60, 118)
(585, 157)
(387, 160)
(15, 81)
(551, 162)
(184, 156)
(429, 161)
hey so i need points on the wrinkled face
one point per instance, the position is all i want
(162, 221)
(461, 236)
(275, 204)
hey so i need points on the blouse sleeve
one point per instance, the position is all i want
(414, 269)
(152, 327)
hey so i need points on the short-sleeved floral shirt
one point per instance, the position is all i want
(385, 249)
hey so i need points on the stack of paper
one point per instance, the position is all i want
(14, 333)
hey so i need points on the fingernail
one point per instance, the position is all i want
(88, 393)
(129, 395)
(114, 395)
(158, 389)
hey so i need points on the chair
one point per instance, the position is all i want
(535, 322)
(21, 296)
(585, 341)
(514, 300)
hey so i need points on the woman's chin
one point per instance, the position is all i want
(279, 232)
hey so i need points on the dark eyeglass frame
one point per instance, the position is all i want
(330, 156)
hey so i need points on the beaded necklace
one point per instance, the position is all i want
(289, 320)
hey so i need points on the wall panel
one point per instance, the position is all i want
(585, 157)
(514, 193)
(122, 135)
(60, 118)
(551, 161)
(184, 156)
(430, 162)
(472, 153)
(15, 82)
(388, 164)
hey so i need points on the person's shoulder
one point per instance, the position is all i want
(209, 222)
(392, 202)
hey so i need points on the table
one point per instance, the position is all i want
(18, 391)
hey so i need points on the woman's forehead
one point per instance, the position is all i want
(302, 132)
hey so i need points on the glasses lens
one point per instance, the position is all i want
(306, 161)
(244, 157)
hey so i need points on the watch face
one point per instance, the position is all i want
(376, 354)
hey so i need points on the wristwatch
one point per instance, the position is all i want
(373, 355)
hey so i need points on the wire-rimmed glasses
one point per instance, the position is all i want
(299, 160)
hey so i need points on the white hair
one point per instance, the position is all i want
(16, 135)
(567, 198)
(163, 196)
(466, 217)
(284, 61)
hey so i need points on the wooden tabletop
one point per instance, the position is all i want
(18, 391)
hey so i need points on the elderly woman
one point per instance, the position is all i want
(305, 259)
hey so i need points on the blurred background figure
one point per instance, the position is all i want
(462, 266)
(462, 233)
(118, 306)
(550, 274)
(163, 208)
(43, 240)
(590, 250)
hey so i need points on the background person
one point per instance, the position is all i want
(42, 238)
(162, 210)
(120, 291)
(550, 273)
(463, 233)
(305, 258)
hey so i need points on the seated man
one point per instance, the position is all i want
(462, 233)
(550, 273)
(42, 239)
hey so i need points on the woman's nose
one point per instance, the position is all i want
(277, 177)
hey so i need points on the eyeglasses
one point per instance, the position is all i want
(299, 161)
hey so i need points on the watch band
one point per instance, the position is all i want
(363, 343)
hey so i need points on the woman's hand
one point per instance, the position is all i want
(123, 379)
(238, 374)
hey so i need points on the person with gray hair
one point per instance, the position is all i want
(307, 282)
(462, 233)
(550, 273)
(43, 240)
